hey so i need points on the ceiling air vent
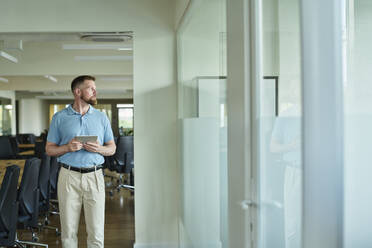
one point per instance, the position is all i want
(107, 36)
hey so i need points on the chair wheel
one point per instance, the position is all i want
(47, 222)
(35, 239)
(58, 233)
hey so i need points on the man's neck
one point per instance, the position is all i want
(80, 107)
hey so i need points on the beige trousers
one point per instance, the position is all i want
(75, 190)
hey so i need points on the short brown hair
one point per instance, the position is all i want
(80, 80)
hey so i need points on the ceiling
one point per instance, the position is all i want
(47, 63)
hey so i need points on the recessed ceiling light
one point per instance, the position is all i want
(4, 80)
(51, 78)
(120, 47)
(8, 57)
(103, 58)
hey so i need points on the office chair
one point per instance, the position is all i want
(53, 178)
(123, 163)
(28, 200)
(14, 143)
(9, 206)
(6, 148)
(44, 187)
(26, 138)
(39, 149)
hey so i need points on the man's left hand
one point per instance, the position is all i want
(92, 146)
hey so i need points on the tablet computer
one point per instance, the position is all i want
(86, 138)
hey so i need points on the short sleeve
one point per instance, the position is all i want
(108, 136)
(53, 134)
(277, 133)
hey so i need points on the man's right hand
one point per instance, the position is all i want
(74, 145)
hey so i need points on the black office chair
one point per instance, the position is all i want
(54, 172)
(6, 148)
(123, 162)
(14, 143)
(26, 138)
(39, 149)
(28, 199)
(9, 207)
(44, 187)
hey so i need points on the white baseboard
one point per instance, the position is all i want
(155, 245)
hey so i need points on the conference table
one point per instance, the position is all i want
(8, 162)
(26, 146)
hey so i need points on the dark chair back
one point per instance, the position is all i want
(28, 193)
(44, 183)
(26, 138)
(9, 206)
(6, 148)
(39, 149)
(54, 171)
(14, 143)
(124, 154)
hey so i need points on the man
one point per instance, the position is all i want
(81, 182)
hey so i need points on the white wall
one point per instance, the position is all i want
(32, 114)
(156, 176)
(180, 9)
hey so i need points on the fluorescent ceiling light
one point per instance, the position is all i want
(54, 97)
(124, 105)
(103, 58)
(8, 107)
(8, 57)
(119, 47)
(115, 79)
(4, 80)
(51, 78)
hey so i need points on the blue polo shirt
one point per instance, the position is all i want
(67, 123)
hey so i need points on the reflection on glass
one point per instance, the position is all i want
(203, 126)
(357, 127)
(278, 108)
(286, 143)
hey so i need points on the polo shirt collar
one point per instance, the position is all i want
(72, 111)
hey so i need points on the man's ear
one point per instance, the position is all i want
(77, 91)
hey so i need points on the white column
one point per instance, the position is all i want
(322, 67)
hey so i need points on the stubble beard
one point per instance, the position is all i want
(92, 100)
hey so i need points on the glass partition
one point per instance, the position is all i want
(277, 107)
(203, 125)
(357, 126)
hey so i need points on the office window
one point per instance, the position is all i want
(5, 116)
(105, 108)
(125, 120)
